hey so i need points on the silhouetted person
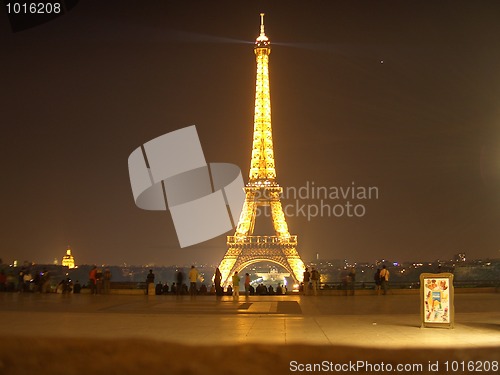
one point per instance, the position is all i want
(352, 279)
(180, 280)
(45, 281)
(193, 278)
(247, 284)
(306, 279)
(37, 281)
(378, 281)
(3, 281)
(107, 281)
(384, 278)
(77, 287)
(165, 289)
(150, 279)
(99, 279)
(20, 280)
(261, 290)
(27, 281)
(66, 286)
(217, 282)
(92, 280)
(315, 280)
(159, 289)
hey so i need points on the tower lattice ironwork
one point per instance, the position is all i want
(261, 190)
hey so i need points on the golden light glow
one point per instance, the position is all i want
(68, 260)
(244, 248)
(262, 163)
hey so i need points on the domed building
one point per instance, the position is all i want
(68, 260)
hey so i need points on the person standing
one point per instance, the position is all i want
(279, 289)
(306, 279)
(93, 280)
(377, 280)
(165, 288)
(217, 282)
(98, 281)
(352, 280)
(45, 281)
(247, 284)
(107, 281)
(3, 281)
(20, 280)
(236, 285)
(315, 280)
(150, 280)
(180, 280)
(77, 287)
(193, 278)
(384, 279)
(159, 289)
(27, 281)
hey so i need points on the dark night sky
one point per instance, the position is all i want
(80, 93)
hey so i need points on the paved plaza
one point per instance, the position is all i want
(363, 323)
(392, 320)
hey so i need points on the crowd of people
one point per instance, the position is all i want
(311, 281)
(99, 280)
(28, 280)
(179, 287)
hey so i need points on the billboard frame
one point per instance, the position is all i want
(437, 309)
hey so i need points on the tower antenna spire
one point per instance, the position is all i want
(262, 24)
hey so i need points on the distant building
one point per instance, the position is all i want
(68, 260)
(459, 257)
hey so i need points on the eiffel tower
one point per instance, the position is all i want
(244, 249)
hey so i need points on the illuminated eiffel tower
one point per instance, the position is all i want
(261, 190)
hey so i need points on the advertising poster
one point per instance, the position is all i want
(437, 299)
